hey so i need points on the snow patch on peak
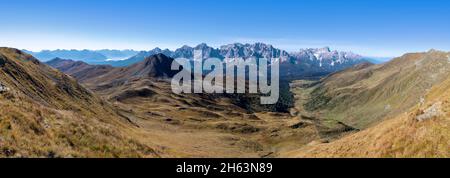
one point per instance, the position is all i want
(317, 55)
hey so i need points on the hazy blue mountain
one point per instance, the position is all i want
(140, 56)
(379, 60)
(88, 56)
(117, 54)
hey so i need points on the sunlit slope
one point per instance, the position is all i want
(424, 131)
(45, 113)
(366, 94)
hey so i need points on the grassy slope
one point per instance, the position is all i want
(46, 113)
(401, 136)
(364, 95)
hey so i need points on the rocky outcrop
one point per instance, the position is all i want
(3, 88)
(431, 112)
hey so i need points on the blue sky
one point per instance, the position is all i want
(369, 27)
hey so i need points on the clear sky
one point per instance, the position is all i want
(369, 27)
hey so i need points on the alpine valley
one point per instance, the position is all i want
(119, 103)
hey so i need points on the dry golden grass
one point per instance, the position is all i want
(194, 126)
(401, 136)
(48, 114)
(30, 130)
(365, 95)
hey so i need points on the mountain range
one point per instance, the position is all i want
(300, 63)
(89, 56)
(321, 60)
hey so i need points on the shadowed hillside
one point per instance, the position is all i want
(80, 70)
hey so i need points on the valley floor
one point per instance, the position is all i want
(191, 126)
(180, 131)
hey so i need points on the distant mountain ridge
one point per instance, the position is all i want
(257, 50)
(89, 56)
(235, 50)
(117, 54)
(305, 62)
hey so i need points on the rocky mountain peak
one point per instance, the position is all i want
(325, 49)
(202, 46)
(158, 65)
